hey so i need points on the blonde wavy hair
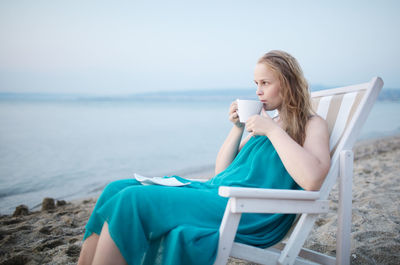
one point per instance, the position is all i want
(296, 100)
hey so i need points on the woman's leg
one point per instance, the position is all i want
(142, 217)
(88, 250)
(106, 251)
(94, 226)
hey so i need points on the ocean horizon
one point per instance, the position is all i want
(387, 94)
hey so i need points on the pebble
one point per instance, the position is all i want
(61, 203)
(21, 210)
(48, 204)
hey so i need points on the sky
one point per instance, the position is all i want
(125, 47)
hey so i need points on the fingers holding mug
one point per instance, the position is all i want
(233, 114)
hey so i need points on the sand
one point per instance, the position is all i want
(54, 236)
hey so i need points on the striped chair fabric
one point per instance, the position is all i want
(338, 110)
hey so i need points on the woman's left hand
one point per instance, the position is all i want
(260, 124)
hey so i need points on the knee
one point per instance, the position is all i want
(116, 186)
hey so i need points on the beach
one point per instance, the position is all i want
(53, 235)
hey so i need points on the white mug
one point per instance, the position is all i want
(248, 108)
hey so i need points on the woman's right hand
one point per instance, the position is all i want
(234, 116)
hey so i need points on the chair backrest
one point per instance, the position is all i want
(345, 109)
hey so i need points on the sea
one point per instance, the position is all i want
(70, 146)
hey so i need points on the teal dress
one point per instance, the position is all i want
(155, 224)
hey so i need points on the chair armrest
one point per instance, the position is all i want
(257, 193)
(256, 200)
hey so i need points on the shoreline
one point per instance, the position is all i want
(202, 172)
(54, 236)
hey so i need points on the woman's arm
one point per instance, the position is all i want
(232, 144)
(307, 164)
(229, 149)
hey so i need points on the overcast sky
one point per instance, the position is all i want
(123, 47)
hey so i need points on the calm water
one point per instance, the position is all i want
(70, 149)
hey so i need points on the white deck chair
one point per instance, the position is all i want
(345, 110)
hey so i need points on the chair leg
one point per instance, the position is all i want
(296, 241)
(343, 247)
(227, 233)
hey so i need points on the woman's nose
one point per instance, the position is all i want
(259, 92)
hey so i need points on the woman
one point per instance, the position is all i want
(135, 224)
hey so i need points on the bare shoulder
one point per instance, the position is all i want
(317, 125)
